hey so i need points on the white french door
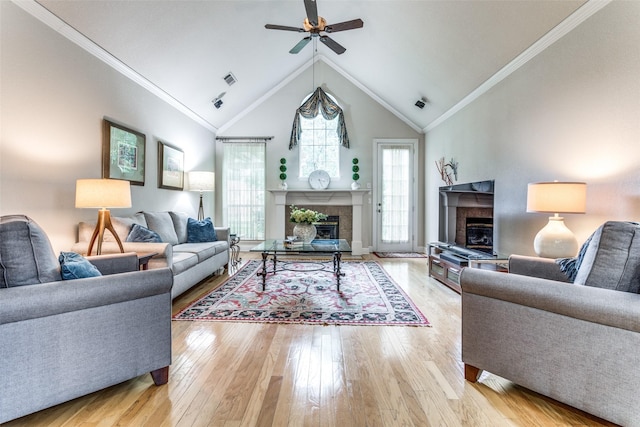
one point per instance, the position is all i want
(394, 209)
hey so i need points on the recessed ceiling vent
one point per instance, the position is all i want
(420, 103)
(230, 79)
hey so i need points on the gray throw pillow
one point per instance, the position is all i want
(612, 258)
(75, 266)
(139, 233)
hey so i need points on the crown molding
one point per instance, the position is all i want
(563, 28)
(44, 15)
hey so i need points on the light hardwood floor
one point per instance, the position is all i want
(233, 374)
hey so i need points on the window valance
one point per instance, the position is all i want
(317, 103)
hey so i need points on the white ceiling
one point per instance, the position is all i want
(440, 50)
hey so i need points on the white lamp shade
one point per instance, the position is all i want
(557, 197)
(103, 193)
(202, 181)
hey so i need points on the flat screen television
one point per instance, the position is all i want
(466, 215)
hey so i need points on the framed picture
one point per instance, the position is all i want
(122, 153)
(170, 167)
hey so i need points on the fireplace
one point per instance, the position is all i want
(479, 234)
(328, 228)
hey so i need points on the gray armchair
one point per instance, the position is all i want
(63, 339)
(578, 344)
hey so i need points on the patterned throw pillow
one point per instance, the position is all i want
(75, 266)
(200, 231)
(139, 233)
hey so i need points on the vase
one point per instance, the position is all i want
(355, 185)
(305, 232)
(284, 185)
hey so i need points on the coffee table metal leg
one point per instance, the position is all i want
(263, 272)
(336, 267)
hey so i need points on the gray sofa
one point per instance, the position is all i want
(63, 339)
(578, 343)
(189, 262)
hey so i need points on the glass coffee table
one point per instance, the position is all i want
(273, 247)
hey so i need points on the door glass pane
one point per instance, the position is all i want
(395, 194)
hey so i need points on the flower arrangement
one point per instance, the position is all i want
(305, 216)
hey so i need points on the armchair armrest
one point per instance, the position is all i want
(115, 263)
(613, 308)
(48, 299)
(543, 268)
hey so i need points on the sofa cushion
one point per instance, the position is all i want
(26, 255)
(75, 266)
(612, 258)
(200, 231)
(161, 223)
(140, 233)
(122, 225)
(180, 225)
(182, 261)
(202, 250)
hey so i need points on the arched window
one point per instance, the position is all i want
(319, 131)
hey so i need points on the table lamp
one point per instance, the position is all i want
(555, 240)
(201, 181)
(103, 194)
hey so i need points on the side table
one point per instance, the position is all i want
(235, 250)
(143, 259)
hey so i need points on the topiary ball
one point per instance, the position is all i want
(283, 176)
(355, 161)
(355, 168)
(355, 177)
(283, 161)
(283, 168)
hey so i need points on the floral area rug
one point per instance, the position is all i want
(367, 296)
(400, 255)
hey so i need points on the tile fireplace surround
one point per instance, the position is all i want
(317, 198)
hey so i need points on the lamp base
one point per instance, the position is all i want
(200, 209)
(104, 221)
(555, 240)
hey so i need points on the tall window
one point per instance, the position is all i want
(244, 189)
(319, 146)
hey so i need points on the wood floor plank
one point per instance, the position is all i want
(227, 374)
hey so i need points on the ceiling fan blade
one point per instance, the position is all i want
(333, 45)
(312, 11)
(284, 27)
(302, 43)
(342, 26)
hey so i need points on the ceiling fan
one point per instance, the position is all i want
(315, 25)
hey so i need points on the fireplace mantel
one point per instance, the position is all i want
(331, 197)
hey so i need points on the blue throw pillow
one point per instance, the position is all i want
(75, 266)
(140, 233)
(200, 231)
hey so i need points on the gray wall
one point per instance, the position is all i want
(572, 113)
(366, 120)
(54, 97)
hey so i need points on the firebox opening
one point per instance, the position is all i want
(328, 228)
(479, 234)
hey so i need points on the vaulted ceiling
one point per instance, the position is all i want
(407, 49)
